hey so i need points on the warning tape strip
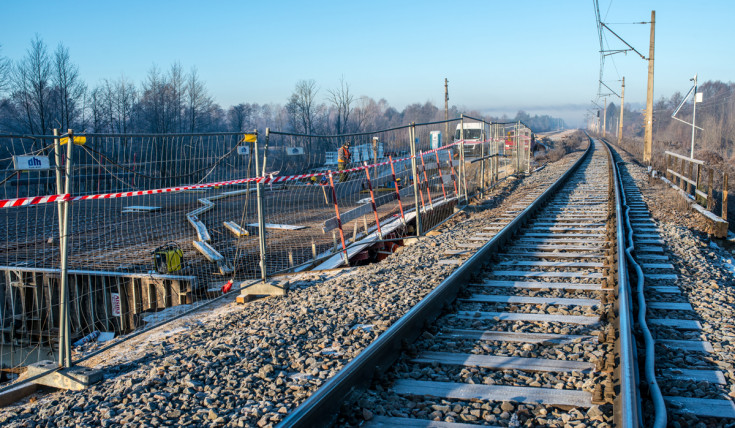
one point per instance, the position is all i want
(36, 200)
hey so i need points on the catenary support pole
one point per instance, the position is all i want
(604, 118)
(446, 108)
(648, 136)
(622, 104)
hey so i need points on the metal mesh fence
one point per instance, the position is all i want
(161, 224)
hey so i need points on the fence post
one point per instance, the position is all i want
(415, 177)
(668, 174)
(724, 197)
(265, 152)
(372, 200)
(528, 154)
(398, 191)
(518, 148)
(682, 174)
(339, 220)
(59, 183)
(710, 202)
(64, 333)
(691, 175)
(62, 241)
(496, 159)
(261, 202)
(461, 158)
(482, 162)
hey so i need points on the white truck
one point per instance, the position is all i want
(473, 138)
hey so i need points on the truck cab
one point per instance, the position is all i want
(473, 138)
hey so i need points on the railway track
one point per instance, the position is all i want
(534, 336)
(689, 375)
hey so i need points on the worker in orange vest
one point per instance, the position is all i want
(343, 158)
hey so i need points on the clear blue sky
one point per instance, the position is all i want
(499, 56)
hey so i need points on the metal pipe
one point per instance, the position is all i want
(414, 172)
(261, 214)
(461, 161)
(64, 333)
(482, 165)
(694, 116)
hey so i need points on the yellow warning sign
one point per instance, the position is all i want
(77, 140)
(250, 138)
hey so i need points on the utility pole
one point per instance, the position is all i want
(604, 117)
(446, 108)
(622, 103)
(648, 140)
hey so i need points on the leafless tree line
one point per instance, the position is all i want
(43, 91)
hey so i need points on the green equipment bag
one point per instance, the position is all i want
(168, 258)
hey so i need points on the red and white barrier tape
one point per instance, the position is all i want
(35, 200)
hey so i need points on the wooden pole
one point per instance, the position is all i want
(710, 202)
(724, 197)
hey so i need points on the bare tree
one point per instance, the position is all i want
(178, 91)
(97, 109)
(155, 104)
(68, 88)
(301, 107)
(5, 69)
(198, 102)
(120, 98)
(240, 116)
(342, 100)
(31, 88)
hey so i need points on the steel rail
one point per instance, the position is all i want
(627, 403)
(660, 416)
(321, 407)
